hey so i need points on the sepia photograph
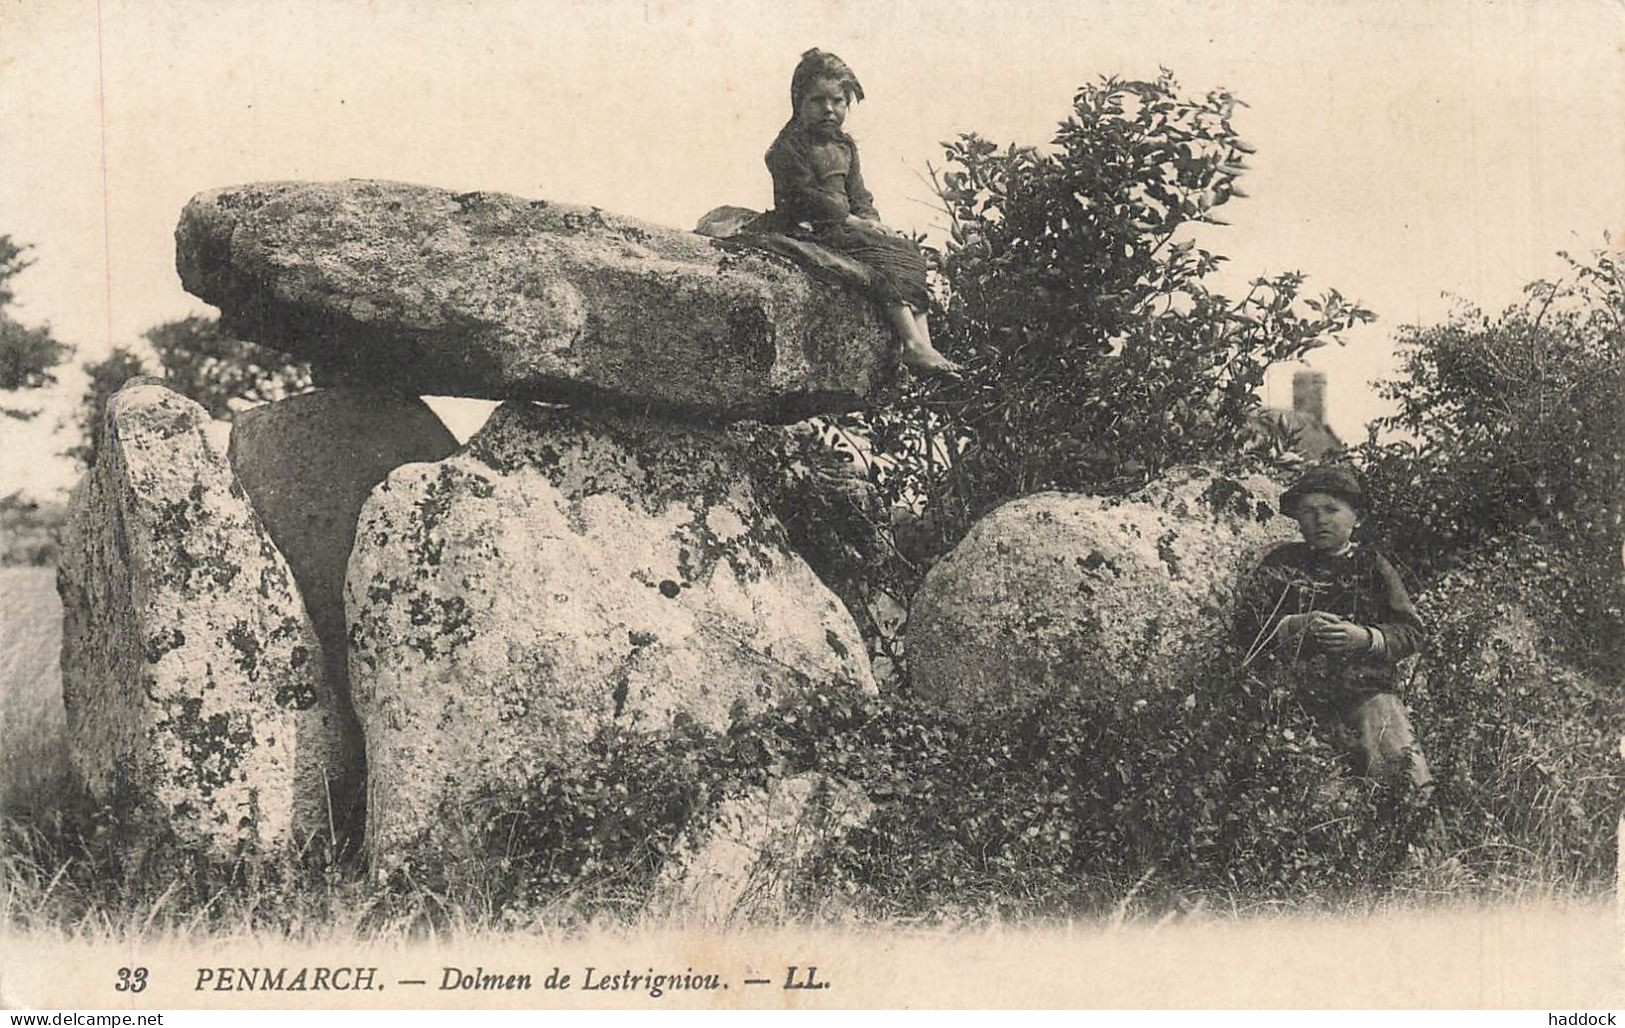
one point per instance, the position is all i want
(719, 504)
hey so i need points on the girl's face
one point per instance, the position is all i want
(1326, 521)
(823, 108)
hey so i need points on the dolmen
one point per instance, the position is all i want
(348, 625)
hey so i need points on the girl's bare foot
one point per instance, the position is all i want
(927, 360)
(918, 353)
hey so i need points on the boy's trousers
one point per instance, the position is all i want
(1374, 728)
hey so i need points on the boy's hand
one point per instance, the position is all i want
(1338, 636)
(1293, 627)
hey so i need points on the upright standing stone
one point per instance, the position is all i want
(308, 463)
(191, 675)
(562, 575)
(1058, 592)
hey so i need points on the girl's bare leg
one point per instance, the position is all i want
(918, 353)
(922, 326)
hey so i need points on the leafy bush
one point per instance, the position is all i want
(1224, 796)
(1078, 296)
(28, 531)
(1525, 745)
(594, 831)
(1228, 795)
(1510, 424)
(1068, 809)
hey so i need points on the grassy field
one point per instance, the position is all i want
(33, 758)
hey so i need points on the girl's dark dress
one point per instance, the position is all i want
(816, 184)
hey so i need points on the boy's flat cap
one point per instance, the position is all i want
(1331, 479)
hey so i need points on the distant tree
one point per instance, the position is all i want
(197, 359)
(27, 355)
(106, 376)
(225, 375)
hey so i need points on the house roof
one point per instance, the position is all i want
(1315, 437)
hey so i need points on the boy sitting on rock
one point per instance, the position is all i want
(1337, 611)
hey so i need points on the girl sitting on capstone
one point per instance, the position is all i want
(1337, 611)
(819, 196)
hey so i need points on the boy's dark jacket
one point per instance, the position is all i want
(1358, 585)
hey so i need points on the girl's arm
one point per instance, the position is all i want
(796, 193)
(859, 199)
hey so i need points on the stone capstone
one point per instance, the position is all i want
(308, 463)
(564, 574)
(191, 674)
(745, 863)
(489, 295)
(1060, 592)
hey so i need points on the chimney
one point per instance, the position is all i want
(1309, 395)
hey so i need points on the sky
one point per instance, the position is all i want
(1408, 152)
